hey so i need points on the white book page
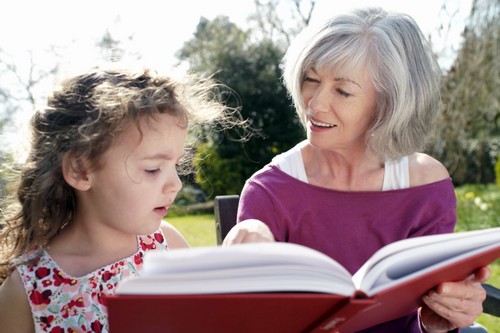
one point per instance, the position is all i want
(406, 259)
(241, 268)
(240, 255)
(284, 278)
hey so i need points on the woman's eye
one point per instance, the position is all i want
(310, 79)
(343, 93)
(152, 171)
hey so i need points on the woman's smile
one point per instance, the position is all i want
(321, 124)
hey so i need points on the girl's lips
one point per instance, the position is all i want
(161, 210)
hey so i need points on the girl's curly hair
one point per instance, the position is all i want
(83, 117)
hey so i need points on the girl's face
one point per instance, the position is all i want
(339, 108)
(137, 180)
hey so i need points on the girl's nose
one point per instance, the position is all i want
(172, 184)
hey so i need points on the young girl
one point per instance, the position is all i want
(101, 175)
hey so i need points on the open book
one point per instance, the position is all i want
(284, 287)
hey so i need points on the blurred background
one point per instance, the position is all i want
(243, 42)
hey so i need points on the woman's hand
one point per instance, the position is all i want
(454, 304)
(249, 231)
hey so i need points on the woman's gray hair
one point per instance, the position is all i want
(399, 60)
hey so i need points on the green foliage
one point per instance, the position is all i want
(479, 208)
(8, 180)
(467, 139)
(252, 71)
(497, 171)
(218, 175)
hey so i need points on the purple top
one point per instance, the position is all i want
(347, 226)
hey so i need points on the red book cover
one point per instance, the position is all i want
(283, 287)
(402, 299)
(219, 313)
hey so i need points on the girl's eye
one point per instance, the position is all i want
(152, 171)
(343, 93)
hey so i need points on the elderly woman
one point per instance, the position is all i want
(366, 88)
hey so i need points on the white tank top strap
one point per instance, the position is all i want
(396, 174)
(291, 162)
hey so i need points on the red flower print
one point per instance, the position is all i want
(46, 283)
(147, 244)
(138, 259)
(42, 272)
(100, 297)
(96, 326)
(70, 308)
(38, 298)
(77, 302)
(106, 276)
(159, 237)
(47, 320)
(93, 282)
(59, 279)
(57, 329)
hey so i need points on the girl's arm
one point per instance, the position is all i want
(15, 311)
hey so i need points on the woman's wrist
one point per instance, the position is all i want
(426, 329)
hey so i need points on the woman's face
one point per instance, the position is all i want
(340, 108)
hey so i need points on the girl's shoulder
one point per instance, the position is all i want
(425, 169)
(15, 311)
(173, 236)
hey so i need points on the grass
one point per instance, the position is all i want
(478, 208)
(199, 230)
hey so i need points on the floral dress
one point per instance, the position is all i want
(62, 303)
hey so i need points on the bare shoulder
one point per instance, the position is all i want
(425, 169)
(15, 312)
(173, 236)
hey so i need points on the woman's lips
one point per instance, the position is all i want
(320, 124)
(316, 125)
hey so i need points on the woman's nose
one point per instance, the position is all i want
(319, 101)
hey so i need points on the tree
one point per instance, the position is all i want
(252, 71)
(25, 80)
(468, 136)
(271, 25)
(22, 78)
(114, 48)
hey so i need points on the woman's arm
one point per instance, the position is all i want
(249, 231)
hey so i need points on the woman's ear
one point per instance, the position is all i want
(76, 172)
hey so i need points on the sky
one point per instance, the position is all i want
(160, 27)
